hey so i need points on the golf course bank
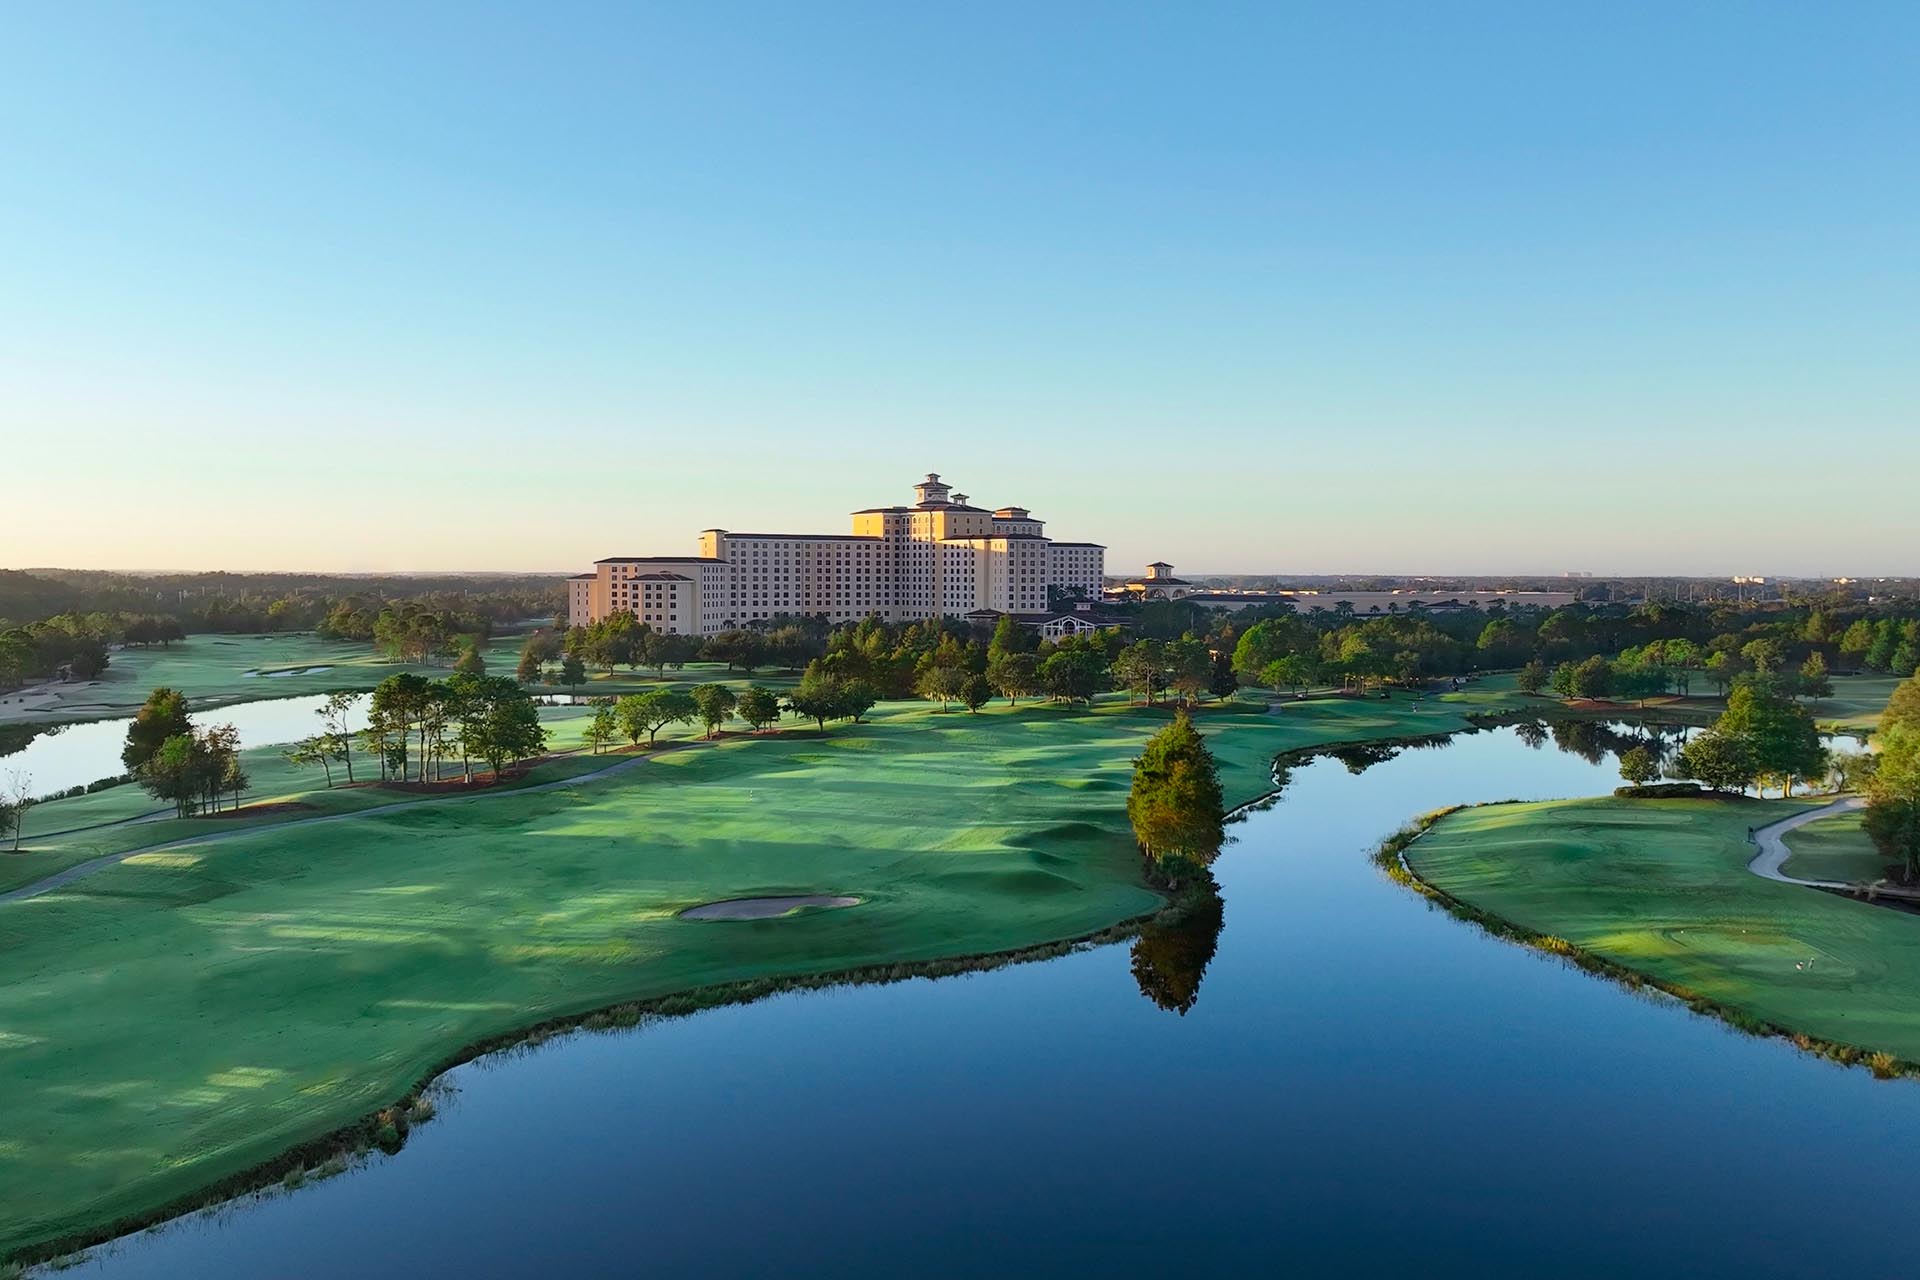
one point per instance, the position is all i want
(310, 974)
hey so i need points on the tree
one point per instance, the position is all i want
(939, 684)
(1073, 673)
(1815, 683)
(573, 673)
(603, 730)
(1189, 668)
(1904, 706)
(1013, 674)
(1639, 767)
(234, 778)
(1780, 736)
(1588, 679)
(758, 706)
(1892, 818)
(162, 716)
(648, 713)
(1532, 677)
(173, 772)
(470, 663)
(334, 715)
(15, 799)
(499, 722)
(820, 697)
(528, 670)
(1175, 805)
(1296, 671)
(319, 749)
(857, 697)
(1718, 761)
(715, 703)
(974, 693)
(1224, 682)
(1141, 669)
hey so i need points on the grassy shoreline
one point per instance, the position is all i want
(310, 978)
(1656, 894)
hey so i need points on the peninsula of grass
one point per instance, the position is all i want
(175, 1020)
(1660, 889)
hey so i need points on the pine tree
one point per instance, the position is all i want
(1176, 807)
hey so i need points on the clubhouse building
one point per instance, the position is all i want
(940, 557)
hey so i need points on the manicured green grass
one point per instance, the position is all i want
(189, 1014)
(1835, 848)
(1661, 887)
(1856, 703)
(212, 670)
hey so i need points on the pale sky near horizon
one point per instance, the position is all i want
(1626, 288)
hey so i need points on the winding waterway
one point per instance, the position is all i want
(1359, 1085)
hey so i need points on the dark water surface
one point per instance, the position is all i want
(1361, 1085)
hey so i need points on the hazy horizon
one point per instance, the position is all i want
(1504, 289)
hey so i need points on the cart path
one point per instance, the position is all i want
(1773, 851)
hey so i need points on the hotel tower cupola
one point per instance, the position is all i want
(931, 493)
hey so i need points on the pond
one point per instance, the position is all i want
(1327, 1077)
(77, 754)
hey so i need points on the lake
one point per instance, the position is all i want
(81, 753)
(1359, 1085)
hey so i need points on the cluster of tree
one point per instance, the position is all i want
(1890, 644)
(264, 602)
(618, 640)
(1763, 737)
(415, 726)
(1670, 666)
(1336, 647)
(1176, 805)
(1892, 787)
(407, 631)
(191, 766)
(66, 645)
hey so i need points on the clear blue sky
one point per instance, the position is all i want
(1344, 287)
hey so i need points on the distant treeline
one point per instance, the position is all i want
(1278, 647)
(253, 603)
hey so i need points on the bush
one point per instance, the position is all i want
(1660, 791)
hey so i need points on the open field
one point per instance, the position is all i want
(1856, 703)
(1835, 848)
(300, 977)
(1661, 887)
(213, 670)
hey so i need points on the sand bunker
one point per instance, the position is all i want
(765, 908)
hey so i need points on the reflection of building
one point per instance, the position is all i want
(942, 556)
(1158, 584)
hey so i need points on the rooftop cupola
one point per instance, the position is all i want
(931, 493)
(1159, 569)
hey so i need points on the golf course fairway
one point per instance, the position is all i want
(178, 1019)
(1661, 887)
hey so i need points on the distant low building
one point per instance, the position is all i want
(1159, 583)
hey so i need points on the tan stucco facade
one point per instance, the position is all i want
(939, 556)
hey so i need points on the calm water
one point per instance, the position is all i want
(1363, 1086)
(83, 753)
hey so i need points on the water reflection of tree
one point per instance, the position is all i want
(1531, 732)
(1364, 756)
(1171, 954)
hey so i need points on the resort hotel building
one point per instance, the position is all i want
(942, 556)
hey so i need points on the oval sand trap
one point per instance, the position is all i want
(765, 908)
